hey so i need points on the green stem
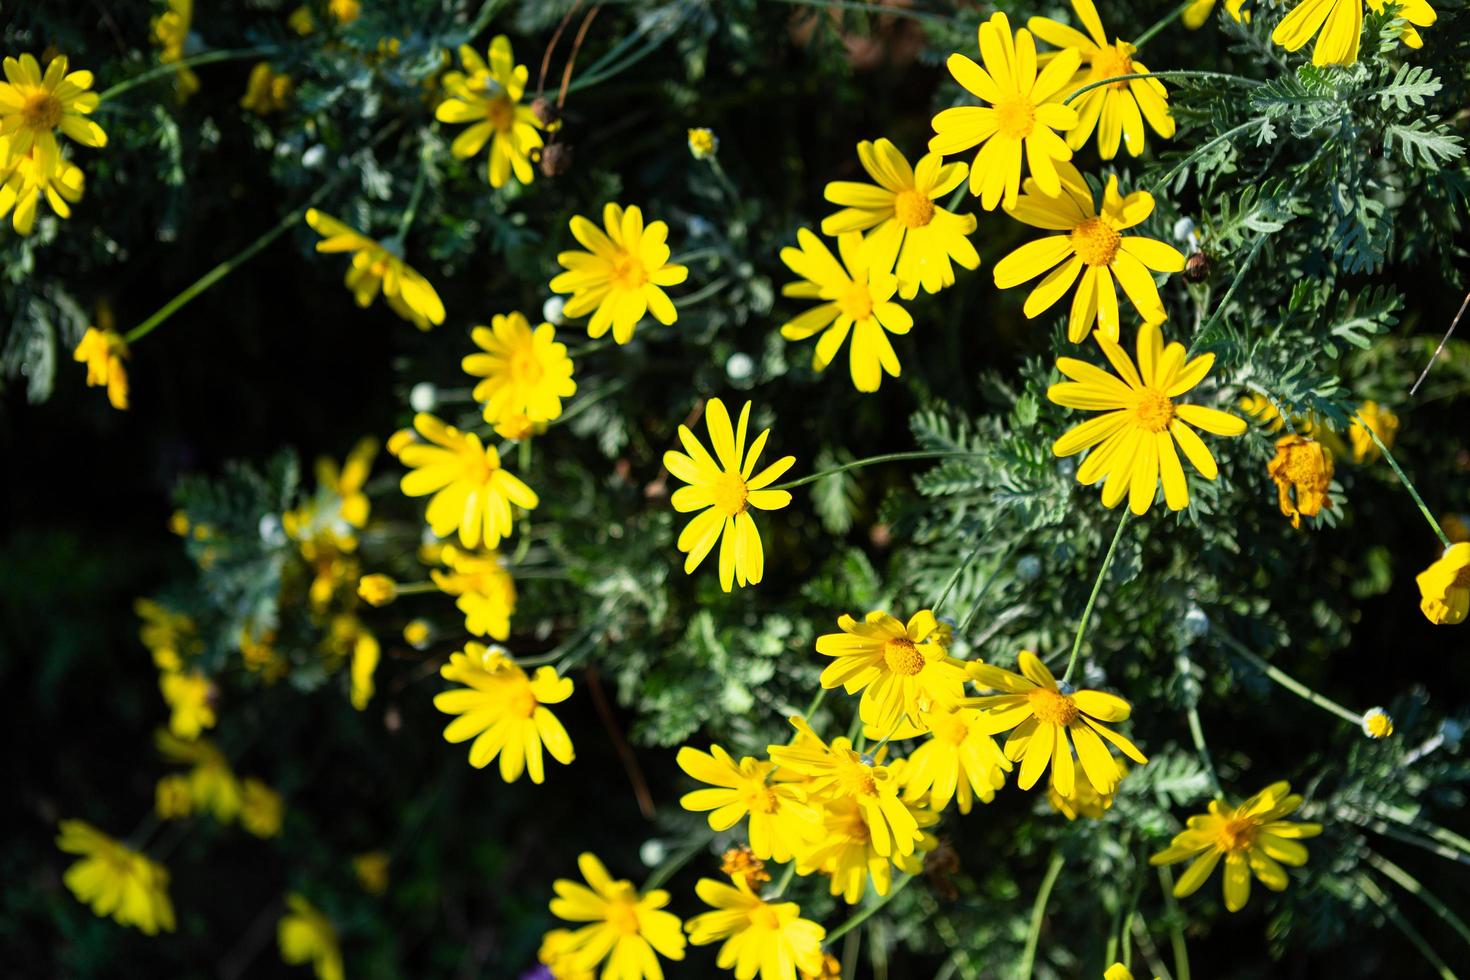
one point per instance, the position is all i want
(1197, 735)
(867, 913)
(683, 302)
(1157, 74)
(691, 255)
(985, 590)
(1176, 932)
(1423, 843)
(1092, 599)
(1162, 23)
(786, 877)
(416, 588)
(598, 74)
(1403, 817)
(482, 20)
(1290, 683)
(582, 404)
(416, 195)
(172, 67)
(1444, 539)
(871, 461)
(1250, 259)
(954, 578)
(1038, 912)
(1411, 885)
(675, 861)
(816, 703)
(1195, 155)
(1385, 904)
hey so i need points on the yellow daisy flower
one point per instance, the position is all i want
(485, 590)
(1041, 717)
(526, 373)
(114, 880)
(471, 490)
(857, 298)
(846, 850)
(1444, 587)
(1253, 838)
(261, 808)
(724, 490)
(623, 274)
(1302, 471)
(171, 34)
(505, 712)
(1084, 800)
(374, 268)
(624, 928)
(190, 698)
(1338, 27)
(958, 761)
(1383, 423)
(1116, 111)
(781, 823)
(487, 95)
(305, 935)
(1091, 247)
(769, 938)
(1022, 117)
(905, 230)
(103, 351)
(1135, 436)
(901, 669)
(34, 105)
(37, 173)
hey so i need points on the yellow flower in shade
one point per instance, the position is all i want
(741, 863)
(1021, 119)
(1444, 587)
(305, 935)
(1135, 436)
(172, 798)
(114, 880)
(958, 761)
(471, 492)
(856, 298)
(1340, 23)
(1383, 423)
(723, 490)
(1117, 111)
(526, 373)
(372, 871)
(103, 351)
(348, 637)
(781, 822)
(171, 34)
(623, 274)
(1091, 252)
(377, 590)
(485, 589)
(829, 969)
(342, 488)
(212, 785)
(34, 105)
(623, 928)
(266, 91)
(703, 143)
(1253, 838)
(170, 636)
(1302, 470)
(1377, 723)
(261, 808)
(1198, 12)
(1456, 527)
(1084, 800)
(905, 230)
(37, 173)
(375, 268)
(344, 11)
(504, 711)
(1041, 718)
(487, 95)
(769, 938)
(259, 654)
(901, 669)
(190, 698)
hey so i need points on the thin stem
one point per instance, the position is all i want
(683, 302)
(985, 590)
(675, 861)
(1176, 932)
(172, 67)
(1092, 599)
(416, 195)
(1440, 349)
(955, 577)
(1290, 683)
(867, 912)
(482, 20)
(593, 76)
(1158, 74)
(1444, 539)
(1201, 151)
(871, 461)
(1403, 817)
(786, 877)
(1411, 885)
(816, 703)
(1162, 23)
(692, 254)
(1038, 912)
(1250, 259)
(1385, 904)
(1379, 827)
(1197, 734)
(582, 404)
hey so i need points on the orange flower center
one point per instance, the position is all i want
(857, 779)
(763, 917)
(913, 209)
(730, 493)
(1113, 62)
(1051, 706)
(856, 301)
(41, 110)
(1015, 118)
(525, 367)
(501, 114)
(1095, 242)
(1236, 834)
(628, 272)
(1155, 411)
(902, 657)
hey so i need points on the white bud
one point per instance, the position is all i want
(313, 156)
(551, 311)
(653, 852)
(739, 367)
(270, 530)
(423, 397)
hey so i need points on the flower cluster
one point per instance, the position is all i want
(34, 107)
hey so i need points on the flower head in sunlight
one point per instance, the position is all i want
(504, 710)
(624, 930)
(1045, 723)
(305, 935)
(375, 268)
(171, 34)
(769, 938)
(1021, 118)
(905, 231)
(484, 589)
(487, 95)
(1338, 27)
(1117, 111)
(622, 275)
(471, 491)
(1135, 436)
(1444, 587)
(261, 808)
(856, 298)
(846, 851)
(114, 880)
(34, 105)
(1377, 723)
(526, 372)
(781, 822)
(1252, 838)
(1380, 422)
(723, 488)
(958, 761)
(902, 669)
(1091, 247)
(1302, 472)
(40, 172)
(103, 351)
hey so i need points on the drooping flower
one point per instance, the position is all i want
(306, 935)
(485, 589)
(1135, 436)
(487, 95)
(103, 351)
(1252, 838)
(1117, 110)
(958, 761)
(266, 90)
(1302, 471)
(623, 929)
(622, 275)
(1045, 724)
(33, 106)
(526, 373)
(902, 670)
(781, 822)
(28, 177)
(171, 34)
(1444, 587)
(769, 938)
(1338, 27)
(724, 490)
(1377, 723)
(905, 231)
(375, 268)
(190, 698)
(703, 143)
(114, 880)
(261, 808)
(1092, 248)
(1380, 422)
(1022, 118)
(504, 711)
(471, 491)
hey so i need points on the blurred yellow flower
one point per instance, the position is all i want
(958, 761)
(34, 105)
(622, 927)
(417, 632)
(170, 636)
(190, 698)
(171, 34)
(526, 373)
(372, 871)
(902, 670)
(741, 863)
(344, 11)
(770, 938)
(266, 90)
(471, 492)
(703, 143)
(172, 798)
(1084, 800)
(1302, 471)
(375, 268)
(114, 880)
(305, 935)
(377, 590)
(623, 274)
(1382, 422)
(1377, 723)
(485, 589)
(212, 784)
(487, 95)
(103, 351)
(781, 823)
(261, 808)
(1444, 587)
(505, 712)
(37, 173)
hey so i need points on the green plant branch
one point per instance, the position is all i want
(867, 912)
(955, 576)
(1162, 23)
(173, 67)
(1092, 599)
(1398, 470)
(1038, 912)
(1411, 885)
(1250, 259)
(1287, 681)
(1176, 932)
(1231, 133)
(1385, 904)
(1238, 79)
(872, 461)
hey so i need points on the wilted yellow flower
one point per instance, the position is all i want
(114, 880)
(190, 698)
(171, 34)
(37, 173)
(1341, 25)
(261, 808)
(620, 923)
(1377, 723)
(266, 91)
(172, 798)
(34, 105)
(505, 712)
(958, 761)
(372, 871)
(1251, 837)
(901, 669)
(103, 351)
(1302, 469)
(526, 373)
(703, 143)
(485, 589)
(374, 268)
(471, 492)
(487, 95)
(781, 822)
(623, 274)
(377, 590)
(766, 937)
(741, 862)
(305, 935)
(1444, 587)
(1383, 423)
